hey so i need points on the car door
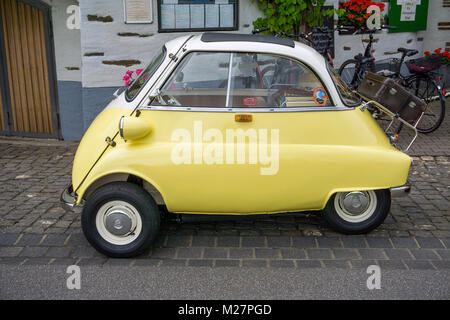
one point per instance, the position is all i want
(237, 133)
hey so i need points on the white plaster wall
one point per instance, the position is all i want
(67, 42)
(102, 37)
(436, 38)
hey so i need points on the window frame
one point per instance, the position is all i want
(333, 107)
(234, 28)
(348, 106)
(127, 98)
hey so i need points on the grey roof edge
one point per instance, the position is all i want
(239, 37)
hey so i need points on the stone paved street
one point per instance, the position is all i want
(35, 230)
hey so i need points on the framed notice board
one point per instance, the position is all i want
(138, 11)
(408, 15)
(197, 15)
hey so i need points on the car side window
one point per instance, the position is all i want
(268, 81)
(200, 80)
(242, 80)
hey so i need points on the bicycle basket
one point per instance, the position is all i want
(386, 67)
(425, 64)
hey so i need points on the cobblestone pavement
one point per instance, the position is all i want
(35, 230)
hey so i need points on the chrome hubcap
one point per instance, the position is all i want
(118, 223)
(355, 202)
(355, 206)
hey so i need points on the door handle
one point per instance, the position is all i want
(243, 118)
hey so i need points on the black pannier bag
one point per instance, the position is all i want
(392, 96)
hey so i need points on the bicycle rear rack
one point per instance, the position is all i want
(394, 117)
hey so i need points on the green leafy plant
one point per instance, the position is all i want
(290, 15)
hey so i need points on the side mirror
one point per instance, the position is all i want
(133, 128)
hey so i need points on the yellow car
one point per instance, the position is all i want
(232, 124)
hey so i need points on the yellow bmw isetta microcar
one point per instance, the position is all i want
(232, 124)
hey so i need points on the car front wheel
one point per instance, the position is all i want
(120, 220)
(357, 212)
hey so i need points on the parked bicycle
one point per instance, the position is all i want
(421, 80)
(353, 71)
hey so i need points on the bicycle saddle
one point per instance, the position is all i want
(408, 52)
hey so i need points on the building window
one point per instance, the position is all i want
(197, 15)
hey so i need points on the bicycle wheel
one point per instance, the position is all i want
(427, 90)
(352, 73)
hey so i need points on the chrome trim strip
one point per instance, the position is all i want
(400, 191)
(247, 110)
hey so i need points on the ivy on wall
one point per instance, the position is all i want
(290, 15)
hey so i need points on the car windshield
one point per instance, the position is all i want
(350, 98)
(137, 84)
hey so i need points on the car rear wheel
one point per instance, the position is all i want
(357, 212)
(120, 220)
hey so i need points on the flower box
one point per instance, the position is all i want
(354, 12)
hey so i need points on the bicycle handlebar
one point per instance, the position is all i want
(260, 30)
(304, 36)
(341, 27)
(388, 27)
(375, 29)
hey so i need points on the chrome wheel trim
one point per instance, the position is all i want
(367, 201)
(120, 210)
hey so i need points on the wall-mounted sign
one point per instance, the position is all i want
(408, 15)
(408, 12)
(197, 15)
(138, 11)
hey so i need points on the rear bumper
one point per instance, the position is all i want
(68, 198)
(400, 191)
